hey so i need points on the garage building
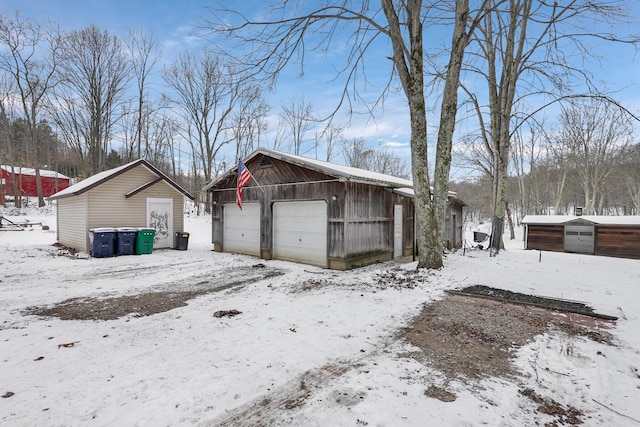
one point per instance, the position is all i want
(615, 236)
(318, 213)
(136, 194)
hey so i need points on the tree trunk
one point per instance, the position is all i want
(41, 202)
(448, 111)
(500, 191)
(510, 220)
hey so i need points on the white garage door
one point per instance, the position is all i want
(242, 229)
(579, 238)
(300, 232)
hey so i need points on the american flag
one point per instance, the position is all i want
(244, 176)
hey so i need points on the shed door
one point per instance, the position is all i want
(241, 231)
(160, 218)
(300, 232)
(397, 231)
(579, 238)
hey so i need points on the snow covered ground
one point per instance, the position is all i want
(334, 343)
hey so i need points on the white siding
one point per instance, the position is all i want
(72, 223)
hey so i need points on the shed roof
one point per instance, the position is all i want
(97, 179)
(30, 171)
(595, 219)
(342, 172)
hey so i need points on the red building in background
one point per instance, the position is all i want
(52, 182)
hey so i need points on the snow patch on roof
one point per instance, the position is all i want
(30, 171)
(336, 169)
(94, 179)
(596, 219)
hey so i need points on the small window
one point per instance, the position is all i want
(586, 233)
(571, 233)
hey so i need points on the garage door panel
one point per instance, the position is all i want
(242, 229)
(579, 238)
(300, 232)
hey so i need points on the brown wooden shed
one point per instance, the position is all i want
(616, 236)
(318, 213)
(133, 195)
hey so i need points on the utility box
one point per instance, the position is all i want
(144, 240)
(182, 241)
(102, 242)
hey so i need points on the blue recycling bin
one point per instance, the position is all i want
(126, 240)
(102, 242)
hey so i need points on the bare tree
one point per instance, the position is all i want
(528, 48)
(248, 122)
(557, 169)
(631, 180)
(299, 119)
(33, 79)
(277, 42)
(205, 93)
(382, 160)
(94, 71)
(356, 153)
(145, 53)
(332, 135)
(595, 135)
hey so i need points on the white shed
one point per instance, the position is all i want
(133, 195)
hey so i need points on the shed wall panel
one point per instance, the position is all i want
(618, 241)
(545, 237)
(72, 223)
(369, 220)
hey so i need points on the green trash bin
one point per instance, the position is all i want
(144, 240)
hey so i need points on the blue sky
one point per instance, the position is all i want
(178, 25)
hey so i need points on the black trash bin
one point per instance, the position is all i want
(102, 242)
(182, 241)
(126, 241)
